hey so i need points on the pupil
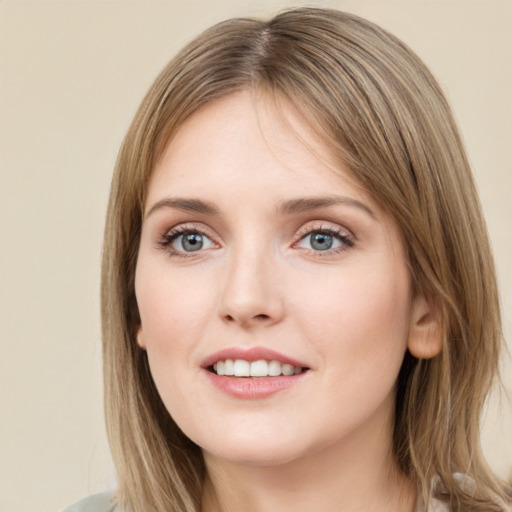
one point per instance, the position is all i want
(321, 241)
(192, 242)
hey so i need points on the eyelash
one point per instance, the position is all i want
(346, 240)
(170, 236)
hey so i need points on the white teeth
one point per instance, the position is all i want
(260, 368)
(229, 367)
(287, 369)
(274, 368)
(242, 368)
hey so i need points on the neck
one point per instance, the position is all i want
(353, 476)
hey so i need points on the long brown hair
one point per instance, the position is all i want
(379, 109)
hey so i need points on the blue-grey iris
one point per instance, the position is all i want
(321, 241)
(192, 242)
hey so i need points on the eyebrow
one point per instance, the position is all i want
(187, 205)
(305, 204)
(290, 206)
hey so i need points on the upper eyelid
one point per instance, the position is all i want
(300, 233)
(188, 227)
(325, 226)
(169, 235)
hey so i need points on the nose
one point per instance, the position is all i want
(252, 291)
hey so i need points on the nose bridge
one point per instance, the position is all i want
(251, 291)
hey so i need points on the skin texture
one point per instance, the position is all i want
(347, 313)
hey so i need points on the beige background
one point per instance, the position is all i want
(71, 76)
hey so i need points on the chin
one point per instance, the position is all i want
(257, 450)
(260, 456)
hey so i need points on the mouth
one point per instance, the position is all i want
(253, 373)
(260, 368)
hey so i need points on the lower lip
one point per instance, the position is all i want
(253, 388)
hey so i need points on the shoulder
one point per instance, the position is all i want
(434, 505)
(101, 502)
(438, 506)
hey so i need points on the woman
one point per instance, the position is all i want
(299, 301)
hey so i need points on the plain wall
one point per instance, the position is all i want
(72, 74)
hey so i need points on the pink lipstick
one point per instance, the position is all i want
(252, 373)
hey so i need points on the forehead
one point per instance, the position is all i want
(248, 139)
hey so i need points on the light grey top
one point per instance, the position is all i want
(104, 502)
(101, 502)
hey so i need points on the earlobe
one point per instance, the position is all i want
(140, 338)
(425, 331)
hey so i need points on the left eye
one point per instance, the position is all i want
(191, 242)
(322, 241)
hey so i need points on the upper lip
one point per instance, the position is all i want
(250, 354)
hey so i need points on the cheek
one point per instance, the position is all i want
(359, 320)
(359, 327)
(174, 311)
(173, 305)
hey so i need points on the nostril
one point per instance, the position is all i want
(251, 321)
(248, 318)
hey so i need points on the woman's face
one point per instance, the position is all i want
(257, 260)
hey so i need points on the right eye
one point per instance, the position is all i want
(186, 241)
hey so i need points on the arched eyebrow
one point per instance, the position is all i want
(185, 204)
(287, 207)
(304, 204)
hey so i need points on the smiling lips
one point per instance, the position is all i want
(260, 368)
(252, 373)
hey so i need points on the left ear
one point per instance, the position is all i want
(140, 338)
(425, 330)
